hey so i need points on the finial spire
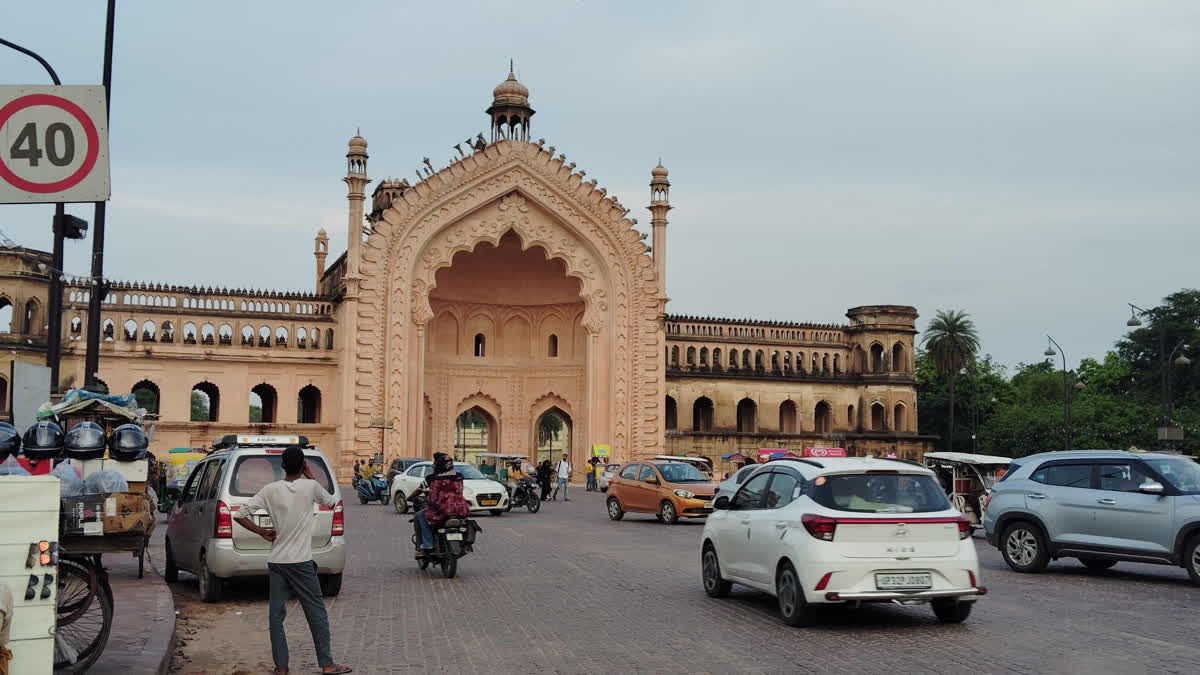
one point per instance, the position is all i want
(358, 132)
(510, 66)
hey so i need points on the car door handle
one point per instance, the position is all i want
(746, 521)
(1036, 495)
(1110, 502)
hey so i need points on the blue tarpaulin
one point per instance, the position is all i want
(77, 399)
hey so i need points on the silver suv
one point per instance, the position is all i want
(1100, 506)
(202, 537)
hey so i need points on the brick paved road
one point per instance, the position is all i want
(566, 590)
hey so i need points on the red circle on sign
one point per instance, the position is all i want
(89, 128)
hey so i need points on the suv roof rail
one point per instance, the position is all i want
(252, 440)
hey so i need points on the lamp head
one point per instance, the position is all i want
(1049, 351)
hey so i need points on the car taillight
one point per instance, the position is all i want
(972, 576)
(224, 527)
(339, 521)
(964, 527)
(819, 526)
(823, 582)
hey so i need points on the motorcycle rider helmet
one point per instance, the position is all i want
(10, 441)
(85, 441)
(442, 462)
(127, 443)
(43, 440)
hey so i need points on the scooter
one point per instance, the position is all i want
(373, 489)
(525, 494)
(452, 540)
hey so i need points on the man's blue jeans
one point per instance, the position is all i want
(562, 484)
(591, 481)
(426, 531)
(298, 580)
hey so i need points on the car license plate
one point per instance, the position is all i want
(488, 502)
(454, 536)
(265, 521)
(891, 582)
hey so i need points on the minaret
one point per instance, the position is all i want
(510, 110)
(356, 180)
(321, 250)
(660, 203)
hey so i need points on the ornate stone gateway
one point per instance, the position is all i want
(502, 283)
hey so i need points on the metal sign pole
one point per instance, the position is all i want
(99, 289)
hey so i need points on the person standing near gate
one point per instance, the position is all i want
(564, 474)
(293, 572)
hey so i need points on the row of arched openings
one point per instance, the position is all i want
(206, 402)
(31, 323)
(814, 363)
(823, 418)
(208, 334)
(480, 346)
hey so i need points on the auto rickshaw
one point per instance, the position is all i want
(968, 479)
(498, 465)
(177, 465)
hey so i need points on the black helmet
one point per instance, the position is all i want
(127, 443)
(10, 441)
(43, 440)
(85, 441)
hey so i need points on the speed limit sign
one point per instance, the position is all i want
(53, 144)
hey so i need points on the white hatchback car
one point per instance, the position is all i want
(842, 531)
(481, 492)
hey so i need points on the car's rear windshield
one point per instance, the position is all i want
(879, 493)
(681, 473)
(252, 472)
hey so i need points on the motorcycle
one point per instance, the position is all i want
(524, 494)
(452, 540)
(373, 489)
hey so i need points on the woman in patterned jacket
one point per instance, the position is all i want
(445, 499)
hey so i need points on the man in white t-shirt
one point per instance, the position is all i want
(564, 472)
(289, 503)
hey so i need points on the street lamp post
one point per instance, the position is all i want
(1066, 392)
(1166, 431)
(974, 409)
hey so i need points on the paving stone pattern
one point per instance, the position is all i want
(566, 590)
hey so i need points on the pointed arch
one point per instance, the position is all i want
(787, 417)
(702, 414)
(747, 416)
(671, 414)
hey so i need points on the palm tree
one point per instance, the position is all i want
(952, 341)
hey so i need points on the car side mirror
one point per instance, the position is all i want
(1151, 488)
(652, 480)
(722, 503)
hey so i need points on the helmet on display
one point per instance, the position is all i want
(43, 440)
(85, 441)
(127, 443)
(10, 440)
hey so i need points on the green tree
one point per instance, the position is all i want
(549, 428)
(199, 407)
(146, 398)
(255, 413)
(1176, 320)
(952, 342)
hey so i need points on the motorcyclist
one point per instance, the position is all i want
(445, 500)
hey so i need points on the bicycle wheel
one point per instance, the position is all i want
(82, 629)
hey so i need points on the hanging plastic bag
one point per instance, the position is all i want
(105, 481)
(70, 484)
(11, 467)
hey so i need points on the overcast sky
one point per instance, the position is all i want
(1034, 163)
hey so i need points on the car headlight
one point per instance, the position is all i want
(684, 493)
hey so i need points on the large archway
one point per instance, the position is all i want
(552, 435)
(475, 431)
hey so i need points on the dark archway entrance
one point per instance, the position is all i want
(552, 434)
(475, 431)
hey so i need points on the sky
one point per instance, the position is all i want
(1035, 164)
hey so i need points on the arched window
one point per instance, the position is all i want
(308, 405)
(675, 355)
(108, 330)
(758, 360)
(189, 333)
(329, 338)
(206, 400)
(672, 414)
(775, 361)
(316, 338)
(552, 348)
(225, 334)
(900, 418)
(716, 358)
(691, 356)
(208, 334)
(821, 418)
(837, 366)
(131, 330)
(281, 336)
(746, 359)
(899, 363)
(76, 325)
(747, 416)
(480, 345)
(247, 335)
(262, 403)
(32, 325)
(877, 417)
(816, 364)
(787, 417)
(149, 331)
(704, 356)
(702, 414)
(850, 416)
(876, 358)
(301, 337)
(146, 393)
(264, 336)
(168, 332)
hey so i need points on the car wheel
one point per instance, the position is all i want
(331, 585)
(1191, 557)
(666, 513)
(790, 595)
(710, 573)
(615, 512)
(1097, 564)
(950, 610)
(497, 512)
(170, 571)
(1024, 548)
(210, 586)
(400, 502)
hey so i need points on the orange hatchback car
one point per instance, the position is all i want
(669, 490)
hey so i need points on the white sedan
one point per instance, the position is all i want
(730, 485)
(481, 492)
(842, 531)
